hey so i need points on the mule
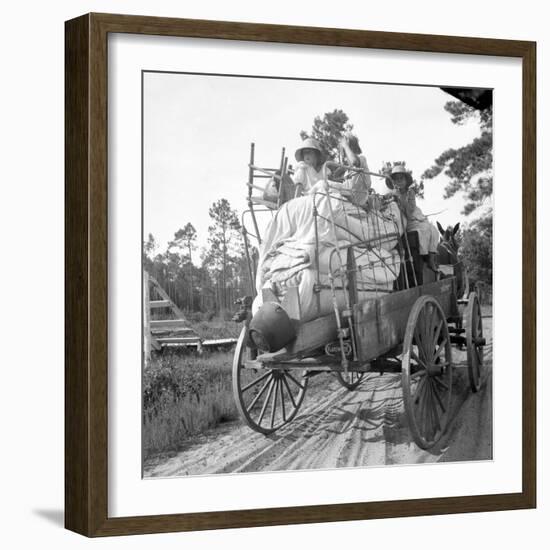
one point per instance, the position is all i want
(447, 258)
(447, 249)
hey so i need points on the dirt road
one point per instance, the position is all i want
(339, 428)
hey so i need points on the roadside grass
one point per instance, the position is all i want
(210, 326)
(216, 328)
(185, 394)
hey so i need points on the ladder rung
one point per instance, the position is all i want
(160, 303)
(172, 323)
(179, 340)
(174, 331)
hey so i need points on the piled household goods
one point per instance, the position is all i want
(301, 249)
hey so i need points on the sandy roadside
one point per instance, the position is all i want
(339, 428)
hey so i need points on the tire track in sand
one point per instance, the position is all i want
(341, 428)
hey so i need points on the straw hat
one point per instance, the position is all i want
(399, 169)
(309, 143)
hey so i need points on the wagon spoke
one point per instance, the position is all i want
(274, 402)
(259, 394)
(441, 383)
(441, 347)
(282, 400)
(424, 322)
(420, 388)
(262, 413)
(418, 360)
(424, 398)
(479, 362)
(288, 390)
(424, 406)
(417, 338)
(425, 329)
(420, 409)
(433, 321)
(431, 324)
(473, 322)
(434, 421)
(479, 354)
(435, 414)
(295, 381)
(256, 381)
(420, 345)
(418, 374)
(428, 413)
(438, 397)
(438, 331)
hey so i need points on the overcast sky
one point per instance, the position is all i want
(198, 130)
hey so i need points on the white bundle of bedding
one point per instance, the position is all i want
(289, 258)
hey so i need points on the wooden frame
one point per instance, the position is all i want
(86, 274)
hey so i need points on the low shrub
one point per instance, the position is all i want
(183, 395)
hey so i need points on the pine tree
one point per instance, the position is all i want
(470, 168)
(328, 131)
(224, 244)
(184, 240)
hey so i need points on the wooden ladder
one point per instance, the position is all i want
(159, 333)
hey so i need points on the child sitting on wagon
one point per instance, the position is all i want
(311, 166)
(312, 170)
(355, 185)
(399, 183)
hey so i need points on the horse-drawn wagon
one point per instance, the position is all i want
(341, 289)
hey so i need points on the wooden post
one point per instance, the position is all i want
(146, 320)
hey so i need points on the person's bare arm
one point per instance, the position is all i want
(410, 203)
(353, 159)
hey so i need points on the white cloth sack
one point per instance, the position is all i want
(288, 253)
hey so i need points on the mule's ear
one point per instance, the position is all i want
(441, 230)
(456, 228)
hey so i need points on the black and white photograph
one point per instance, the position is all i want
(275, 274)
(317, 274)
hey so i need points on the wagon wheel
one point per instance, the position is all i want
(465, 284)
(426, 372)
(473, 324)
(350, 380)
(478, 289)
(266, 398)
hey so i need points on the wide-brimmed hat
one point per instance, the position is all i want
(399, 169)
(309, 143)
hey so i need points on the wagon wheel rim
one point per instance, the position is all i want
(466, 284)
(473, 324)
(266, 399)
(479, 291)
(426, 374)
(351, 379)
